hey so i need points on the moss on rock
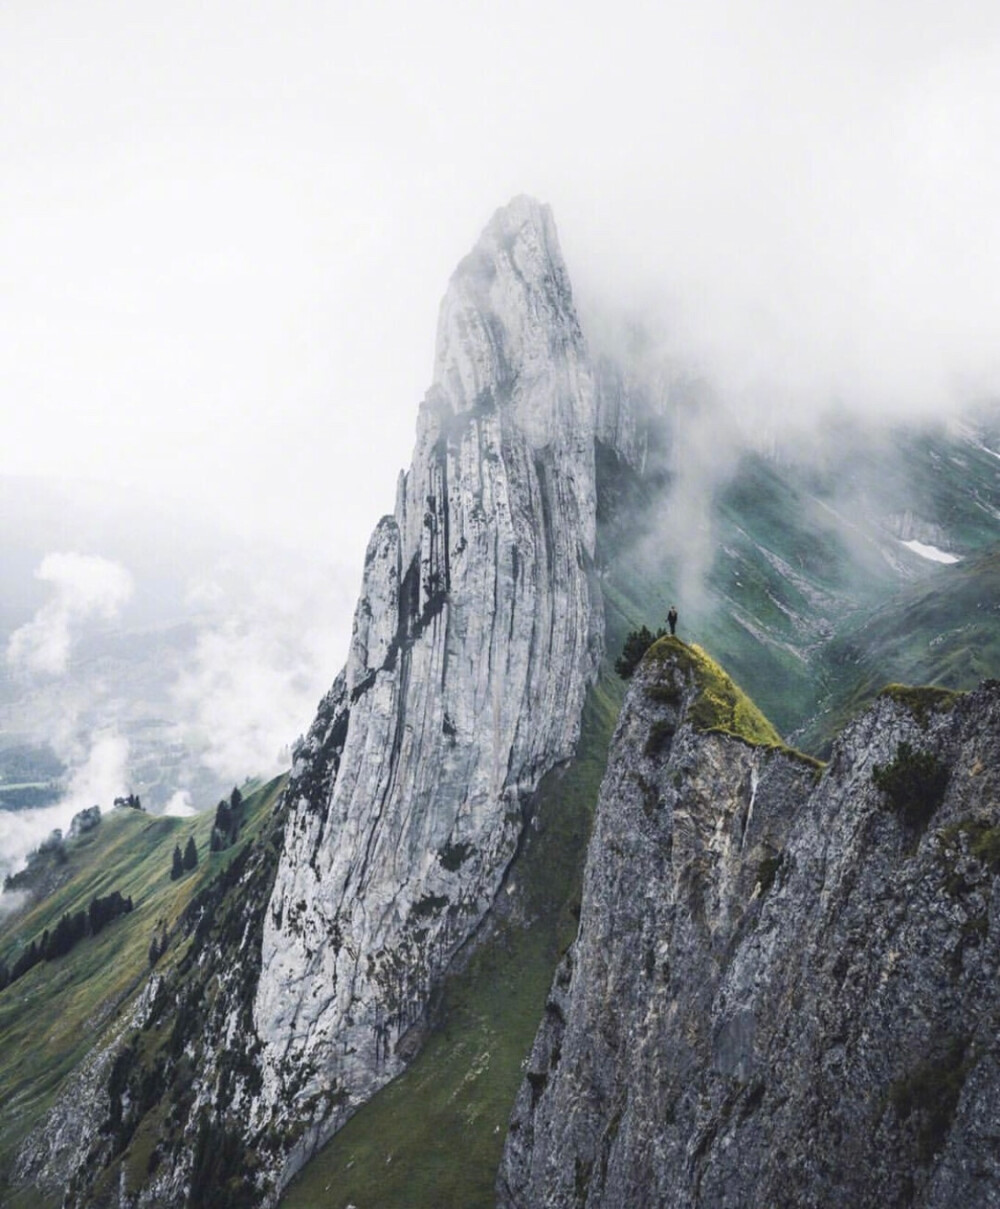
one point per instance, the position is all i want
(720, 706)
(922, 700)
(914, 784)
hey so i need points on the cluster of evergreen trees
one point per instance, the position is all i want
(637, 644)
(67, 933)
(184, 861)
(132, 800)
(229, 818)
(228, 821)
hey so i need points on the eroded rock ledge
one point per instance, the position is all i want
(784, 991)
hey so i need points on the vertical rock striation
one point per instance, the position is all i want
(478, 631)
(783, 992)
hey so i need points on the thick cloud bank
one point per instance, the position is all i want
(234, 301)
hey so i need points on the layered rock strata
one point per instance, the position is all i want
(477, 633)
(784, 990)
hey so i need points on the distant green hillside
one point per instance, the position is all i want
(944, 631)
(51, 1018)
(795, 578)
(776, 577)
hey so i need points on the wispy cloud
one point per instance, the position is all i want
(258, 671)
(179, 806)
(101, 778)
(11, 900)
(84, 587)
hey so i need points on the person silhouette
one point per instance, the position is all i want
(672, 620)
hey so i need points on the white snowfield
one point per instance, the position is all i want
(931, 552)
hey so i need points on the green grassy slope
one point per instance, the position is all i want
(954, 481)
(434, 1136)
(944, 631)
(777, 578)
(798, 569)
(721, 705)
(55, 1014)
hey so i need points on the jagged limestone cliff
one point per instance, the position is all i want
(298, 982)
(784, 991)
(478, 631)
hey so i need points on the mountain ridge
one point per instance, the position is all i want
(781, 991)
(399, 875)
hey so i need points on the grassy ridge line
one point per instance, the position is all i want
(720, 706)
(434, 1136)
(52, 1017)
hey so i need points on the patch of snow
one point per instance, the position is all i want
(931, 552)
(973, 438)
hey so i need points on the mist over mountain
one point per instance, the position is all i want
(208, 263)
(491, 923)
(143, 653)
(340, 993)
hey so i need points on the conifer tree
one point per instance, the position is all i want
(191, 854)
(637, 643)
(178, 866)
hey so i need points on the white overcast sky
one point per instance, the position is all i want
(225, 228)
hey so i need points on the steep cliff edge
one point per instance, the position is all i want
(747, 971)
(783, 991)
(477, 634)
(302, 979)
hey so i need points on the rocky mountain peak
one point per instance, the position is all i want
(478, 630)
(508, 332)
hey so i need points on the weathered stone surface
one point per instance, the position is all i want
(623, 403)
(311, 960)
(478, 630)
(84, 821)
(729, 1030)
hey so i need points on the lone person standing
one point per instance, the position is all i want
(672, 619)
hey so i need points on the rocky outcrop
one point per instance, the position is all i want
(784, 989)
(781, 993)
(477, 633)
(84, 821)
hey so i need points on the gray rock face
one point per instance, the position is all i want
(478, 630)
(622, 405)
(84, 820)
(784, 992)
